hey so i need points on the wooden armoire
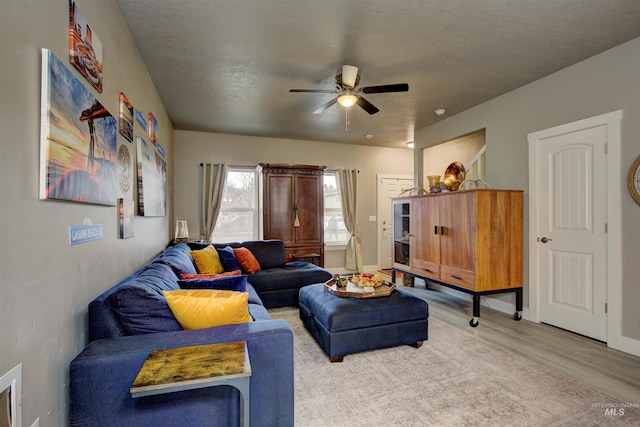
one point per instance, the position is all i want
(293, 207)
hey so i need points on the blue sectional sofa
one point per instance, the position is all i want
(132, 318)
(277, 282)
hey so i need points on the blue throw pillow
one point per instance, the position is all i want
(228, 259)
(228, 283)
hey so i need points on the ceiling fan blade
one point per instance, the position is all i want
(400, 87)
(313, 90)
(367, 106)
(323, 107)
(349, 74)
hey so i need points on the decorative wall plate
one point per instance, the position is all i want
(124, 168)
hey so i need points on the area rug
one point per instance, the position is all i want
(454, 379)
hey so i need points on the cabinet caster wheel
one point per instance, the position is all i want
(473, 322)
(517, 316)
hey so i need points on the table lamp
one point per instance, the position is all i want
(182, 230)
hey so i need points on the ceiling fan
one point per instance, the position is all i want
(348, 93)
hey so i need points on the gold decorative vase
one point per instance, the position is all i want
(434, 180)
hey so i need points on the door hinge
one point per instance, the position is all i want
(606, 228)
(606, 146)
(606, 308)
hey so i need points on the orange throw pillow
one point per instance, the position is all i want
(209, 275)
(247, 260)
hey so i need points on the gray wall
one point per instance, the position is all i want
(601, 84)
(436, 159)
(46, 285)
(192, 148)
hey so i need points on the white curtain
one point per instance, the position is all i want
(214, 178)
(348, 184)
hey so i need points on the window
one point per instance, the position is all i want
(239, 216)
(335, 232)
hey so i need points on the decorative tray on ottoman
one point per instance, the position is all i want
(344, 286)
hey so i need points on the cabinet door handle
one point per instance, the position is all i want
(435, 229)
(426, 269)
(456, 277)
(442, 230)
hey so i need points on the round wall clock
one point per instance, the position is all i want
(124, 168)
(633, 180)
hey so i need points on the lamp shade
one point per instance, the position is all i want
(182, 230)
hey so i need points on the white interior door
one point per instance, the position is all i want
(388, 187)
(571, 221)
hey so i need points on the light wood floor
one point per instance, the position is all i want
(590, 362)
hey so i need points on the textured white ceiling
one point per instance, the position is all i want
(227, 65)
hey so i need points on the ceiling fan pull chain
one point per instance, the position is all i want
(346, 119)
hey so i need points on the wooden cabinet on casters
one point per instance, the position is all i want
(468, 240)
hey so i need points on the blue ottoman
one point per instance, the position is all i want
(350, 325)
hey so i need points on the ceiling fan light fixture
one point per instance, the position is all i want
(347, 99)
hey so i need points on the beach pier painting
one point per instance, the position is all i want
(78, 140)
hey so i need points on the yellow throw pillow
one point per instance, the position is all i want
(206, 308)
(207, 260)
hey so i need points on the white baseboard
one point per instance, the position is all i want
(342, 270)
(630, 345)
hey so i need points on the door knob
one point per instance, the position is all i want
(544, 239)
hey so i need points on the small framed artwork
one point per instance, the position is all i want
(125, 122)
(77, 139)
(85, 47)
(153, 129)
(125, 218)
(142, 121)
(152, 181)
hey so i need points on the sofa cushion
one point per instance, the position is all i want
(288, 277)
(142, 311)
(269, 253)
(178, 259)
(207, 260)
(228, 259)
(258, 312)
(230, 283)
(140, 305)
(253, 295)
(247, 260)
(160, 276)
(205, 308)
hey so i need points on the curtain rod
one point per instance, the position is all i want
(252, 166)
(237, 166)
(335, 170)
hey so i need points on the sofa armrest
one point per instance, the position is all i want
(102, 374)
